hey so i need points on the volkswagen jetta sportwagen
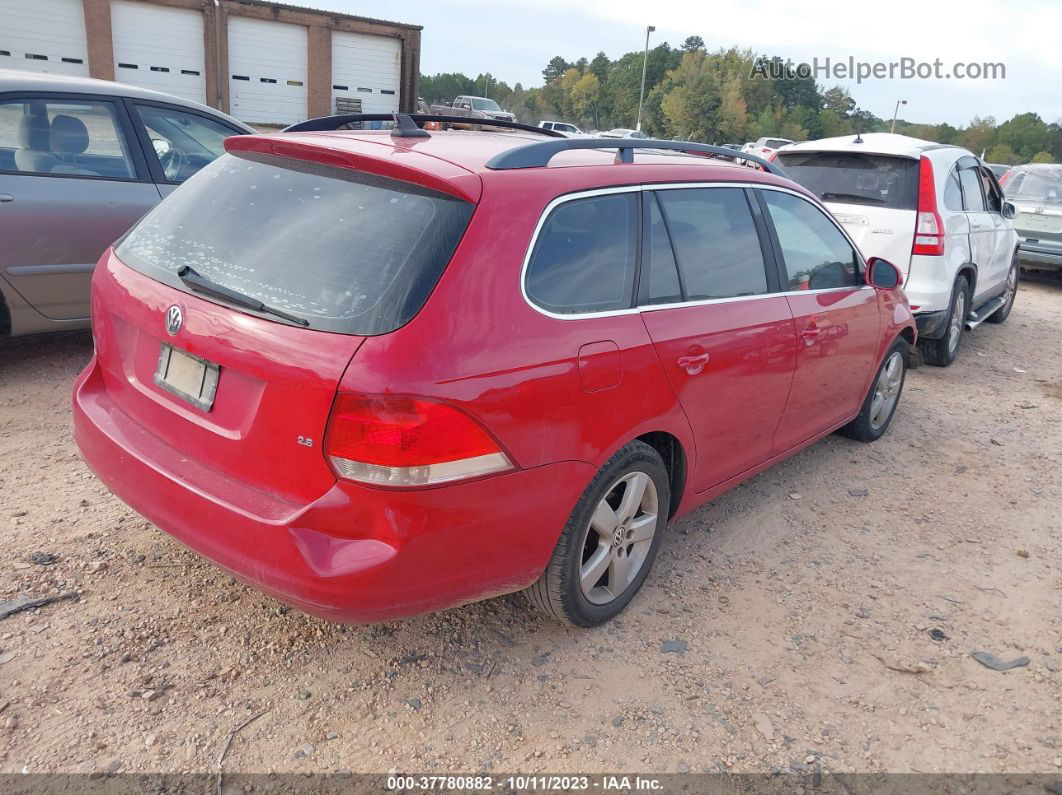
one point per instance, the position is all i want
(379, 373)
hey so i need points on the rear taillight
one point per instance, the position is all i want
(929, 228)
(1005, 177)
(771, 157)
(405, 441)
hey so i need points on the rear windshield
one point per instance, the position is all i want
(345, 251)
(1040, 185)
(848, 178)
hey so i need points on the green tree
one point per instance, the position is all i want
(1001, 153)
(839, 101)
(556, 67)
(1042, 157)
(693, 43)
(1026, 134)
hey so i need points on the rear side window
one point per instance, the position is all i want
(971, 190)
(659, 266)
(715, 242)
(346, 251)
(817, 256)
(853, 178)
(585, 254)
(952, 192)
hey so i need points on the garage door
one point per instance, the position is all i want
(159, 47)
(366, 68)
(43, 36)
(267, 71)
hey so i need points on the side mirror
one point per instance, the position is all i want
(1009, 210)
(882, 274)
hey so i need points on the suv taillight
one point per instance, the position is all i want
(929, 228)
(396, 440)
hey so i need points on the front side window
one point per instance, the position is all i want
(183, 142)
(585, 255)
(971, 190)
(715, 242)
(993, 200)
(69, 138)
(817, 256)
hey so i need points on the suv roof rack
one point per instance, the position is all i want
(409, 125)
(538, 155)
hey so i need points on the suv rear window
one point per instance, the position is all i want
(346, 251)
(852, 178)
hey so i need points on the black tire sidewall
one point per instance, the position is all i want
(633, 458)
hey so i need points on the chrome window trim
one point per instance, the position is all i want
(586, 194)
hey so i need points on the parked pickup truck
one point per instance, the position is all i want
(474, 108)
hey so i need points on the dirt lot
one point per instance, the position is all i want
(804, 613)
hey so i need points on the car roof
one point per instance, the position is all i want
(450, 156)
(871, 143)
(17, 80)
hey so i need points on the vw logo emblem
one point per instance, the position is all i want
(174, 319)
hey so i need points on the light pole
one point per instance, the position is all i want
(896, 112)
(645, 59)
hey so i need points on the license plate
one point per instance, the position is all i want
(1043, 223)
(188, 377)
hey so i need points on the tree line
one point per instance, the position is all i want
(715, 97)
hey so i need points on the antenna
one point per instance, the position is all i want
(405, 127)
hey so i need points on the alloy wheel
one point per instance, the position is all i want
(619, 537)
(958, 318)
(886, 390)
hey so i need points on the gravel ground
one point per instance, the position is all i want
(822, 614)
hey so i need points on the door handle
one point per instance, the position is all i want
(809, 335)
(693, 364)
(6, 197)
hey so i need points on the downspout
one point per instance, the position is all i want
(217, 54)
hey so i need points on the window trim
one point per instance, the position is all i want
(640, 307)
(144, 138)
(123, 123)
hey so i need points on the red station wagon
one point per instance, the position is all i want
(379, 373)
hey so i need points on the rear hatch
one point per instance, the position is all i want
(874, 196)
(1036, 192)
(291, 264)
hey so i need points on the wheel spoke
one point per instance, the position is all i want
(875, 406)
(604, 521)
(632, 496)
(592, 570)
(643, 528)
(619, 574)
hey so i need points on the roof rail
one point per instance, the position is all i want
(538, 155)
(406, 122)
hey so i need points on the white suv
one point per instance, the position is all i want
(561, 127)
(935, 211)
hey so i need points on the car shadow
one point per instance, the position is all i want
(26, 354)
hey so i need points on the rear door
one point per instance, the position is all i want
(982, 225)
(722, 331)
(875, 197)
(1004, 240)
(836, 317)
(74, 180)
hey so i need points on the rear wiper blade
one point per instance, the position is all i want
(857, 196)
(201, 284)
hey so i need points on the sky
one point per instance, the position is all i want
(513, 40)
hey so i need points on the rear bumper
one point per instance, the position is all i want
(931, 325)
(355, 554)
(1039, 254)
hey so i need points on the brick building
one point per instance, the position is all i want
(262, 62)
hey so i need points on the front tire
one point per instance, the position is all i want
(943, 352)
(610, 541)
(881, 401)
(1001, 314)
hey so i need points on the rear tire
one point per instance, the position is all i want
(943, 352)
(610, 541)
(1001, 314)
(881, 401)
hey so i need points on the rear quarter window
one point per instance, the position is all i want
(346, 251)
(584, 257)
